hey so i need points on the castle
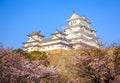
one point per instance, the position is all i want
(74, 36)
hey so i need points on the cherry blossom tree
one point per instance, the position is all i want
(14, 68)
(98, 66)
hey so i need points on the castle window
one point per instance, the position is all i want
(92, 31)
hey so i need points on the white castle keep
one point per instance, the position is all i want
(74, 36)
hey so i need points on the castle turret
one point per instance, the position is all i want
(58, 34)
(33, 42)
(35, 36)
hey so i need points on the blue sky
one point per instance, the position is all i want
(21, 17)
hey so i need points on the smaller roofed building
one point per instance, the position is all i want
(75, 35)
(36, 42)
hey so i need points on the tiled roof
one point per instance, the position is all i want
(76, 16)
(36, 33)
(58, 32)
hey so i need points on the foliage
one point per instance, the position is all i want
(20, 51)
(16, 69)
(91, 65)
(60, 59)
(97, 66)
(37, 55)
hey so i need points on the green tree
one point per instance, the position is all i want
(20, 51)
(37, 55)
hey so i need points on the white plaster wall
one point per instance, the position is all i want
(51, 42)
(53, 47)
(33, 38)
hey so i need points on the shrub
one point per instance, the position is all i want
(37, 55)
(20, 51)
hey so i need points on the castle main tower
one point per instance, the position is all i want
(79, 32)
